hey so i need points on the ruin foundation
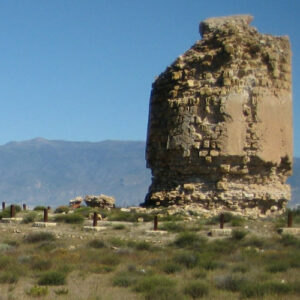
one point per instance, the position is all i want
(220, 122)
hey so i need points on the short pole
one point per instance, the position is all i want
(24, 206)
(155, 223)
(290, 219)
(12, 211)
(48, 207)
(221, 221)
(3, 205)
(45, 215)
(95, 219)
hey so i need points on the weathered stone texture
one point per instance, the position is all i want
(220, 122)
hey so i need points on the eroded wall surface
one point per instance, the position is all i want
(220, 122)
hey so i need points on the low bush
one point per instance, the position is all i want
(39, 237)
(37, 291)
(237, 221)
(124, 279)
(238, 235)
(96, 243)
(41, 264)
(289, 240)
(187, 259)
(40, 208)
(230, 282)
(164, 293)
(119, 227)
(118, 215)
(147, 284)
(171, 267)
(258, 290)
(172, 227)
(240, 268)
(190, 240)
(254, 241)
(196, 289)
(30, 217)
(61, 291)
(52, 278)
(278, 266)
(70, 218)
(62, 209)
(8, 277)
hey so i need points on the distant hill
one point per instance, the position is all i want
(43, 172)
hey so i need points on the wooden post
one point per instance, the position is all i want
(24, 206)
(45, 215)
(3, 205)
(95, 219)
(221, 221)
(155, 223)
(12, 211)
(290, 219)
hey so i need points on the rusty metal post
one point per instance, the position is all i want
(155, 223)
(3, 205)
(95, 219)
(48, 207)
(45, 215)
(221, 221)
(24, 206)
(12, 211)
(290, 219)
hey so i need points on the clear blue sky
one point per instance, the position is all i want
(82, 69)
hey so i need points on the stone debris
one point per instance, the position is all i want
(76, 202)
(101, 201)
(220, 123)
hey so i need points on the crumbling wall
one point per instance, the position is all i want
(220, 122)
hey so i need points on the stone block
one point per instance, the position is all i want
(11, 220)
(44, 224)
(290, 230)
(220, 232)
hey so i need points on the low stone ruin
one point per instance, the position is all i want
(101, 201)
(76, 202)
(220, 122)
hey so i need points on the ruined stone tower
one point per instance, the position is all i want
(220, 122)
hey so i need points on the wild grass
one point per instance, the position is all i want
(39, 237)
(196, 289)
(70, 218)
(37, 291)
(52, 278)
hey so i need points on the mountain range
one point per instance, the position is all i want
(47, 172)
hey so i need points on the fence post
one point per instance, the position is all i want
(155, 223)
(95, 219)
(221, 221)
(290, 219)
(45, 215)
(12, 211)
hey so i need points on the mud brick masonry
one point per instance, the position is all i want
(220, 122)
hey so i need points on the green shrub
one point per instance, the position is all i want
(238, 235)
(8, 277)
(237, 221)
(30, 217)
(289, 240)
(254, 241)
(240, 268)
(278, 266)
(142, 245)
(5, 262)
(6, 213)
(124, 279)
(62, 209)
(222, 246)
(117, 242)
(230, 282)
(172, 227)
(196, 289)
(163, 293)
(37, 291)
(52, 278)
(149, 283)
(190, 240)
(171, 267)
(41, 264)
(118, 215)
(40, 208)
(39, 237)
(61, 291)
(258, 290)
(119, 227)
(70, 218)
(187, 259)
(97, 244)
(85, 211)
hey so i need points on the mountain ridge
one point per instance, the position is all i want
(51, 172)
